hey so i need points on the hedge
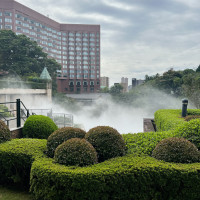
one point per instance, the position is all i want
(168, 119)
(125, 178)
(134, 176)
(16, 157)
(144, 143)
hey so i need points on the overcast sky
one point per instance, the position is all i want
(138, 37)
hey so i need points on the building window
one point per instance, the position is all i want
(71, 34)
(78, 57)
(8, 14)
(71, 83)
(71, 53)
(78, 34)
(8, 27)
(8, 20)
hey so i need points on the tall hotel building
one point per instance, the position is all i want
(75, 46)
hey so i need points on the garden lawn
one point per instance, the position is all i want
(13, 194)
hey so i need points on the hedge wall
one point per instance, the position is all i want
(134, 176)
(168, 119)
(125, 178)
(144, 143)
(16, 157)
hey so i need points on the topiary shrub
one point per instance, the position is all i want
(107, 141)
(75, 151)
(178, 150)
(5, 133)
(61, 135)
(38, 126)
(190, 131)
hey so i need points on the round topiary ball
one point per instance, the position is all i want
(38, 126)
(75, 151)
(190, 131)
(178, 150)
(107, 141)
(5, 133)
(61, 135)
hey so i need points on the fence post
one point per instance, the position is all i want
(18, 113)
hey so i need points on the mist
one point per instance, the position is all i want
(106, 112)
(125, 118)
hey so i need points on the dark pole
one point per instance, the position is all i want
(184, 107)
(18, 113)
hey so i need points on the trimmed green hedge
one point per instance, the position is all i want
(134, 176)
(125, 178)
(16, 157)
(168, 119)
(144, 143)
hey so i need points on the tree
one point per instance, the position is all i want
(198, 69)
(116, 89)
(18, 53)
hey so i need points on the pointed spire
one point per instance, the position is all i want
(45, 74)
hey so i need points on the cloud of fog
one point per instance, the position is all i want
(126, 119)
(106, 112)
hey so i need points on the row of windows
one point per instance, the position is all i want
(85, 71)
(83, 76)
(83, 67)
(6, 13)
(18, 16)
(85, 83)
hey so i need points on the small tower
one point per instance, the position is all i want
(45, 75)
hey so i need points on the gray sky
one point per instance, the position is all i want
(138, 37)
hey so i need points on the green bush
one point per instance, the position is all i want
(76, 151)
(144, 143)
(178, 150)
(107, 141)
(39, 126)
(125, 178)
(61, 135)
(190, 131)
(5, 133)
(16, 157)
(4, 111)
(168, 119)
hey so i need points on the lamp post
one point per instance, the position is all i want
(184, 107)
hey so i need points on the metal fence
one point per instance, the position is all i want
(60, 119)
(15, 114)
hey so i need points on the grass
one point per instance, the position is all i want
(9, 193)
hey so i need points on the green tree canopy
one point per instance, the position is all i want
(18, 53)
